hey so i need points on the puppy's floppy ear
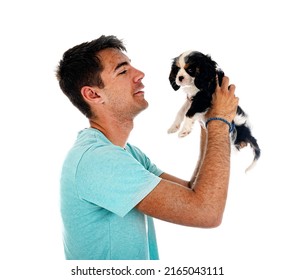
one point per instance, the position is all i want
(205, 72)
(173, 75)
(210, 66)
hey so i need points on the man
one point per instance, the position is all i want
(109, 188)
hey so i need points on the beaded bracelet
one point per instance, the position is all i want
(231, 125)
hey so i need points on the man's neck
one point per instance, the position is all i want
(116, 132)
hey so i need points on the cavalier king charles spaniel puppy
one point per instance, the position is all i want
(197, 74)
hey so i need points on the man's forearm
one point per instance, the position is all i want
(203, 140)
(213, 176)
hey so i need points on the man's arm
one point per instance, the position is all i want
(189, 184)
(203, 143)
(203, 205)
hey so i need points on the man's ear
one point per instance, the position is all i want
(92, 94)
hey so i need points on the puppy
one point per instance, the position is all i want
(197, 74)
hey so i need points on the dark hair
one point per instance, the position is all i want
(80, 66)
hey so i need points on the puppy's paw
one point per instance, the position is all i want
(241, 145)
(174, 128)
(184, 132)
(187, 127)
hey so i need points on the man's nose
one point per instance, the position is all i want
(139, 75)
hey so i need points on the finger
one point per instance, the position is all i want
(232, 88)
(217, 81)
(225, 82)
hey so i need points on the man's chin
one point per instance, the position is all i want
(143, 106)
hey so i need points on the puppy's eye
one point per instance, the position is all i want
(189, 70)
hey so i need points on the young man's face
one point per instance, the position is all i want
(123, 87)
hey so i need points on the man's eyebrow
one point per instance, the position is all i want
(121, 64)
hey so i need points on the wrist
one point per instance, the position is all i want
(231, 125)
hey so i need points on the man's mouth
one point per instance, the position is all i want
(139, 91)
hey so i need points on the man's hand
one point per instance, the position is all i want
(224, 102)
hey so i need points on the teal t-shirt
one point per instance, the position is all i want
(101, 184)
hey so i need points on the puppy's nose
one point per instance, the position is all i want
(181, 78)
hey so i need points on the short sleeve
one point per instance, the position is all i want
(144, 160)
(114, 179)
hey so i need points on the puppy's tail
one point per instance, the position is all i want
(256, 151)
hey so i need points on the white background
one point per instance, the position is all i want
(252, 41)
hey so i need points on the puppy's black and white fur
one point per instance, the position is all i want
(197, 74)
